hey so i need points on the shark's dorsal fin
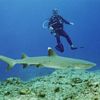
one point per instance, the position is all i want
(24, 56)
(51, 52)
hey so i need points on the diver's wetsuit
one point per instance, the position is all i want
(56, 22)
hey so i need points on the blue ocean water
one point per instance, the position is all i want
(21, 31)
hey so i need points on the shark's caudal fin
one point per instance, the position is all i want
(9, 61)
(51, 52)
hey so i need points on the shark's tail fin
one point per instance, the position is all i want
(9, 61)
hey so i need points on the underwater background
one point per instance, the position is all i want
(21, 31)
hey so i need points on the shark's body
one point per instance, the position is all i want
(50, 61)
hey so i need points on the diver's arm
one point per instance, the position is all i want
(50, 26)
(50, 23)
(66, 22)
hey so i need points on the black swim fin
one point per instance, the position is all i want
(74, 48)
(60, 47)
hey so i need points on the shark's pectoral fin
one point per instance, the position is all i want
(25, 65)
(51, 52)
(37, 65)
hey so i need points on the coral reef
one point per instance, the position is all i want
(60, 85)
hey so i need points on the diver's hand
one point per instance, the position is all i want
(53, 33)
(51, 28)
(71, 23)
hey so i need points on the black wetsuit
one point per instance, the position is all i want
(56, 22)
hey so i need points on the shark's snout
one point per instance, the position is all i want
(92, 64)
(85, 65)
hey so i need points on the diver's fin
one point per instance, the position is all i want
(24, 56)
(81, 47)
(51, 52)
(60, 47)
(9, 61)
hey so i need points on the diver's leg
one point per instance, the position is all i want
(59, 45)
(58, 39)
(64, 34)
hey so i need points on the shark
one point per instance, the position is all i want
(51, 61)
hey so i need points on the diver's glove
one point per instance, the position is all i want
(51, 28)
(52, 31)
(54, 34)
(71, 23)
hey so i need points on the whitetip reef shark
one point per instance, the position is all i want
(50, 61)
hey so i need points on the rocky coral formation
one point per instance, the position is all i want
(60, 85)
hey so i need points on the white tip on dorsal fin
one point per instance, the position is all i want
(51, 52)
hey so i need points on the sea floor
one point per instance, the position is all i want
(60, 85)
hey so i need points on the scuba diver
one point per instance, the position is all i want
(55, 25)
